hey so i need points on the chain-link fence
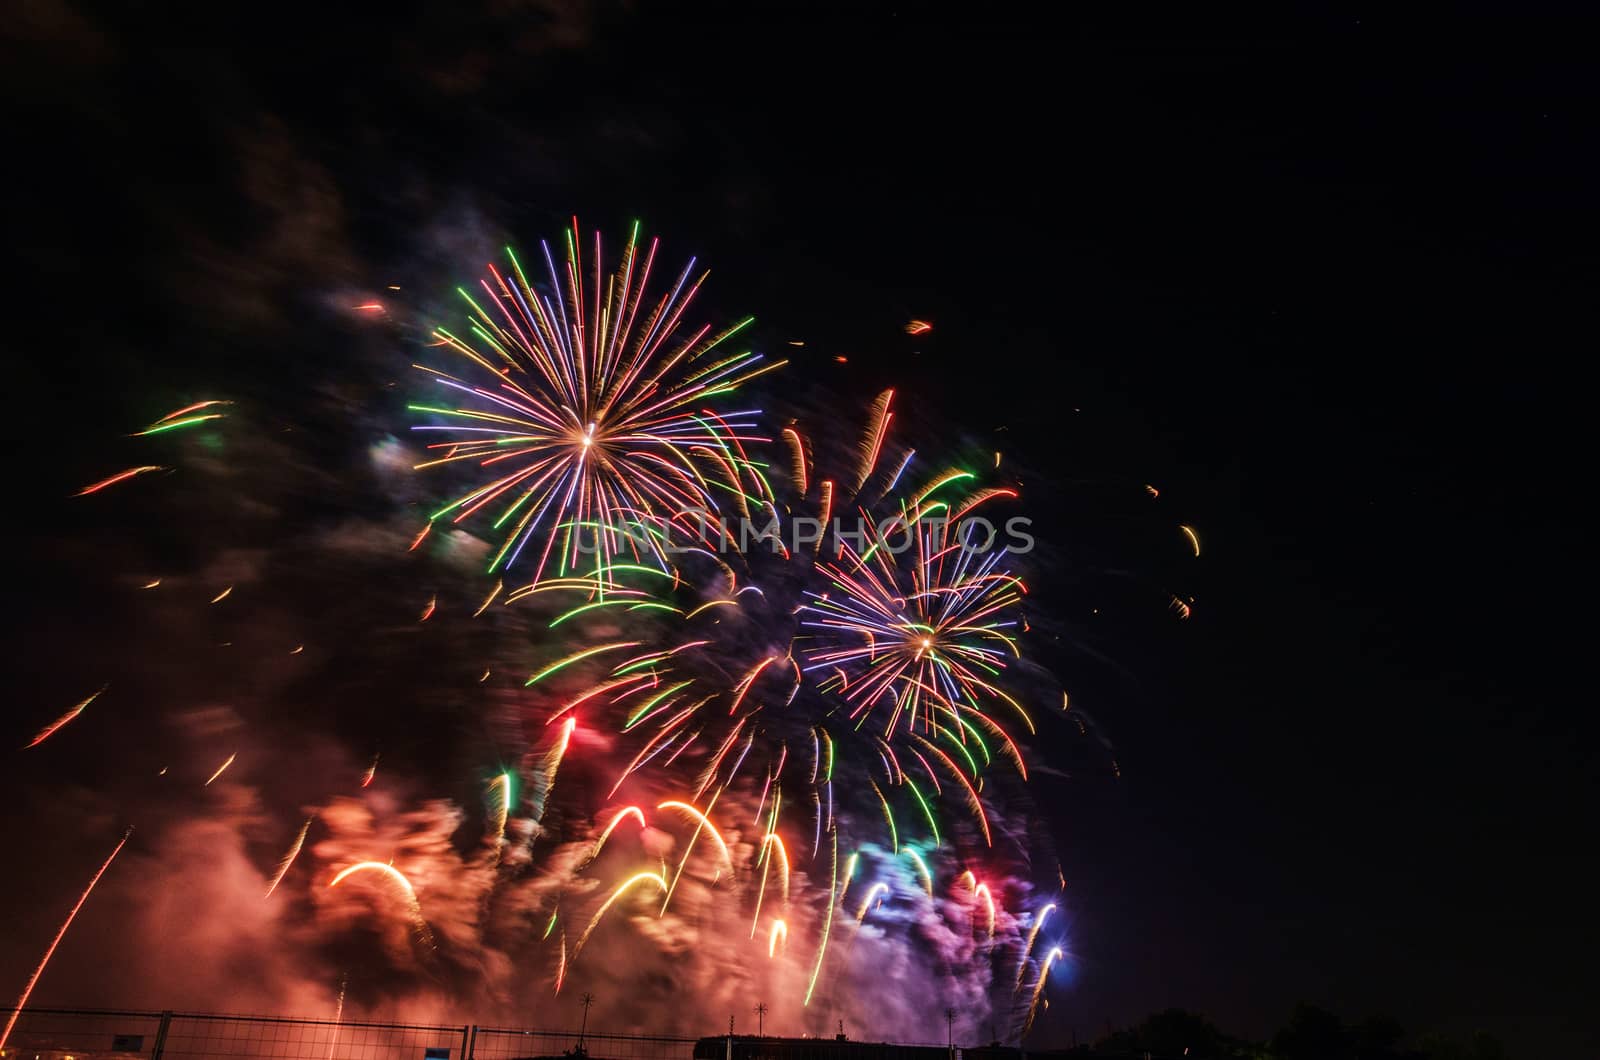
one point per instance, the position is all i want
(84, 1034)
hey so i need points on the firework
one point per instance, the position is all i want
(221, 769)
(622, 889)
(50, 730)
(777, 936)
(395, 876)
(914, 644)
(288, 858)
(1038, 988)
(188, 416)
(588, 415)
(1033, 934)
(121, 476)
(49, 952)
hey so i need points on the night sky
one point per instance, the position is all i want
(1325, 285)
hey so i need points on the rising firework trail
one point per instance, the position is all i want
(50, 951)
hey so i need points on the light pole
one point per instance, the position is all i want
(950, 1031)
(761, 1019)
(586, 1000)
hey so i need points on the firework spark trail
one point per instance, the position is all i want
(181, 418)
(48, 953)
(778, 934)
(702, 823)
(221, 769)
(605, 834)
(623, 888)
(121, 476)
(288, 858)
(500, 803)
(1033, 933)
(372, 771)
(338, 1014)
(49, 730)
(588, 422)
(1038, 988)
(835, 895)
(413, 906)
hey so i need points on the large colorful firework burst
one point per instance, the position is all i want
(590, 416)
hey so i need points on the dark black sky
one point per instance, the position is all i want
(1327, 285)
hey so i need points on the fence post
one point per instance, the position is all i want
(466, 1040)
(161, 1035)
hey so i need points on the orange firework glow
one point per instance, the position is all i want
(918, 327)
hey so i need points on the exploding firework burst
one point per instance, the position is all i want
(589, 410)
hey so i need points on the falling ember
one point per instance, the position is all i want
(500, 799)
(628, 884)
(981, 891)
(288, 859)
(368, 307)
(626, 811)
(163, 426)
(48, 953)
(1152, 491)
(372, 771)
(1033, 934)
(414, 908)
(1194, 539)
(873, 892)
(704, 821)
(223, 595)
(338, 1014)
(151, 584)
(121, 476)
(221, 769)
(297, 649)
(922, 870)
(489, 600)
(918, 327)
(557, 753)
(49, 730)
(827, 924)
(417, 541)
(1181, 607)
(427, 612)
(1038, 987)
(779, 933)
